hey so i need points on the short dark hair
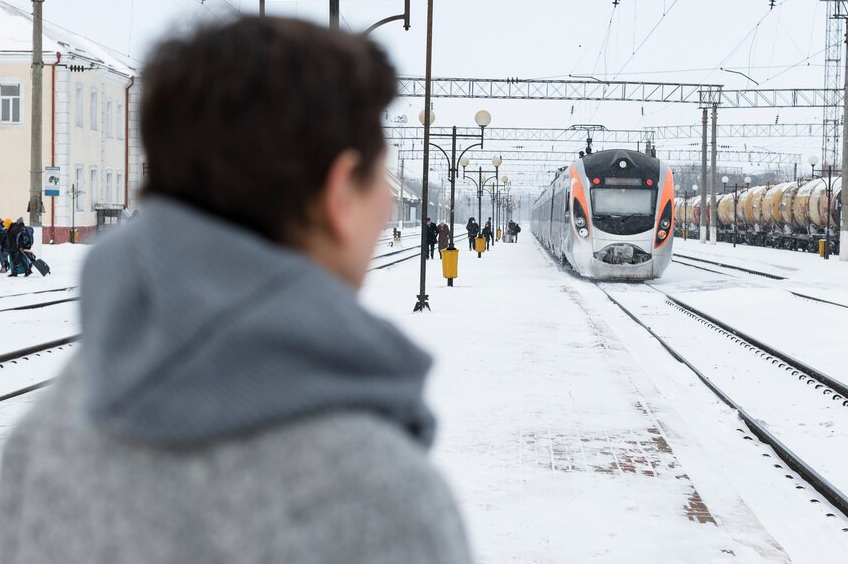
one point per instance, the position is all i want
(244, 119)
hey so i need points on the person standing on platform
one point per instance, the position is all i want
(432, 238)
(473, 230)
(444, 237)
(253, 413)
(487, 233)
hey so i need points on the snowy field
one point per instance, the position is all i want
(568, 434)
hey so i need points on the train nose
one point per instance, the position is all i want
(622, 253)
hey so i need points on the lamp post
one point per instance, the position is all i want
(479, 183)
(814, 160)
(483, 119)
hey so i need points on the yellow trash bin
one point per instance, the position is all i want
(821, 247)
(450, 263)
(480, 244)
(499, 235)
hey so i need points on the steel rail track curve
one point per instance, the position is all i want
(793, 292)
(808, 473)
(28, 351)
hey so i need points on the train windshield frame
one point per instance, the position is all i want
(622, 209)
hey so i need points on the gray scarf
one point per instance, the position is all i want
(196, 329)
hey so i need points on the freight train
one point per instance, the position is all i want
(609, 215)
(789, 215)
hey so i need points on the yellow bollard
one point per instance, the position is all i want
(499, 235)
(450, 264)
(821, 247)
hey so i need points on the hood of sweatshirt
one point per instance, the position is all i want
(196, 329)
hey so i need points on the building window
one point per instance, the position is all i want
(80, 104)
(93, 109)
(108, 119)
(10, 103)
(92, 186)
(119, 186)
(106, 196)
(120, 118)
(79, 188)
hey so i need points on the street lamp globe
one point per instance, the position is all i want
(464, 162)
(497, 161)
(483, 118)
(747, 180)
(504, 179)
(694, 187)
(677, 188)
(813, 160)
(724, 180)
(422, 117)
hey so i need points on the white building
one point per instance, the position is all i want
(91, 128)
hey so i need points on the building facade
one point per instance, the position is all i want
(90, 129)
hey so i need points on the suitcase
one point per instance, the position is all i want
(39, 264)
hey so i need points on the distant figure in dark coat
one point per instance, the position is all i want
(432, 238)
(516, 231)
(487, 233)
(15, 250)
(4, 249)
(444, 237)
(473, 230)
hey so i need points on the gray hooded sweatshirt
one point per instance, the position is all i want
(231, 402)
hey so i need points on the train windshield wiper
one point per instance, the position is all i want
(624, 218)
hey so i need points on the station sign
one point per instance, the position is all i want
(51, 181)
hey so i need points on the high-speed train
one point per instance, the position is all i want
(609, 215)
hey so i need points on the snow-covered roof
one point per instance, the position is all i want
(394, 182)
(16, 37)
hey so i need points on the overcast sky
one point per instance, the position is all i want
(651, 40)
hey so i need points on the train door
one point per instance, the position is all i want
(550, 219)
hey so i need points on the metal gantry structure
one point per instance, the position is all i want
(701, 95)
(671, 155)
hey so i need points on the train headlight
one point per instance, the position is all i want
(665, 224)
(580, 222)
(662, 234)
(583, 232)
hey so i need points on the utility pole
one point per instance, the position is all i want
(261, 8)
(422, 303)
(703, 215)
(843, 228)
(334, 14)
(713, 179)
(35, 183)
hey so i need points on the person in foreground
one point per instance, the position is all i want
(231, 401)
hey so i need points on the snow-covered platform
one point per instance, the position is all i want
(569, 435)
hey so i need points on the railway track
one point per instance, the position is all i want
(27, 354)
(831, 390)
(411, 252)
(803, 295)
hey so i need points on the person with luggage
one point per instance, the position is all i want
(444, 237)
(20, 238)
(473, 230)
(516, 230)
(487, 233)
(4, 249)
(432, 238)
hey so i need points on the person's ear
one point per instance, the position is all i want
(339, 197)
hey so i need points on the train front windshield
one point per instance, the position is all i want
(623, 211)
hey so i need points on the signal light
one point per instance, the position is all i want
(665, 223)
(581, 222)
(596, 181)
(649, 182)
(662, 234)
(584, 232)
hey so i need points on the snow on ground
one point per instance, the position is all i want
(567, 433)
(558, 442)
